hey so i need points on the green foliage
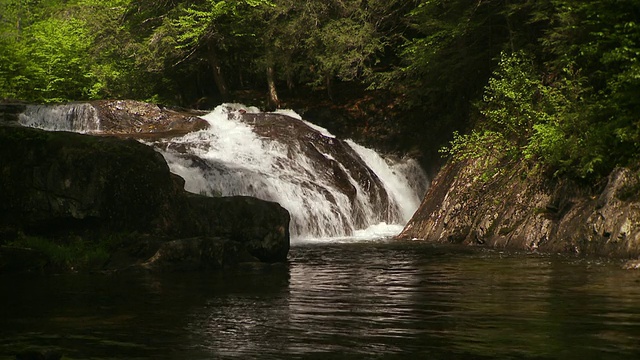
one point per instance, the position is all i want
(576, 113)
(57, 70)
(58, 51)
(85, 49)
(554, 82)
(489, 145)
(73, 254)
(514, 102)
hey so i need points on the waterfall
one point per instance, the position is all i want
(332, 188)
(81, 117)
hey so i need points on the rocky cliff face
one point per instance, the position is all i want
(514, 209)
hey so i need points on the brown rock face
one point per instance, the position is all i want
(144, 120)
(510, 210)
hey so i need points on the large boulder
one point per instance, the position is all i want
(517, 209)
(61, 180)
(262, 226)
(57, 184)
(200, 253)
(139, 119)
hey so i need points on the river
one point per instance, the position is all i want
(365, 299)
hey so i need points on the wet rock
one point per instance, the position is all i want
(144, 120)
(533, 212)
(122, 118)
(204, 253)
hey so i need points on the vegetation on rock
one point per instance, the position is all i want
(565, 103)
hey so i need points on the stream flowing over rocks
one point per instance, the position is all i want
(331, 187)
(511, 210)
(70, 187)
(96, 169)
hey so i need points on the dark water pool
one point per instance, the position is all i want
(397, 300)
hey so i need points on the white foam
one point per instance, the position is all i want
(377, 232)
(82, 117)
(395, 180)
(236, 161)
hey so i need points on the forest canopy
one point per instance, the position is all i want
(556, 82)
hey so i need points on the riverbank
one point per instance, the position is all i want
(513, 207)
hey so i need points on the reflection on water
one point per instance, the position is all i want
(359, 300)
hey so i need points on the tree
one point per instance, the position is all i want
(573, 107)
(190, 31)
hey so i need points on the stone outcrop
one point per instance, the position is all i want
(121, 118)
(60, 184)
(516, 209)
(201, 253)
(141, 120)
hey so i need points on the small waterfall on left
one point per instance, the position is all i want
(80, 117)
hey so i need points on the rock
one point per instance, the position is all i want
(60, 184)
(204, 253)
(261, 226)
(631, 265)
(143, 120)
(121, 118)
(19, 260)
(59, 181)
(530, 212)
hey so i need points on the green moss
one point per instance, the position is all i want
(70, 254)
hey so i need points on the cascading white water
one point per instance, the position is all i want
(332, 188)
(404, 180)
(81, 117)
(230, 158)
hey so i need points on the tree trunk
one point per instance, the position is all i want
(290, 83)
(329, 87)
(218, 76)
(273, 92)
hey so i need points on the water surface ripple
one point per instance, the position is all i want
(380, 299)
